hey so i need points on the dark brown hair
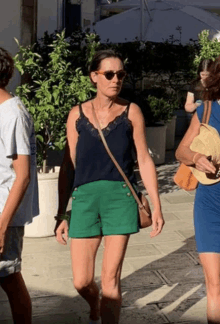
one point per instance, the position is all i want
(102, 55)
(204, 65)
(99, 57)
(6, 67)
(212, 82)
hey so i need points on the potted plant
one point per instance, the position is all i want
(157, 112)
(171, 122)
(51, 86)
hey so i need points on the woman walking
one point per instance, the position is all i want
(207, 203)
(103, 206)
(194, 95)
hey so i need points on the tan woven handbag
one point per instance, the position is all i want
(184, 177)
(143, 204)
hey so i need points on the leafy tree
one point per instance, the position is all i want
(54, 86)
(209, 48)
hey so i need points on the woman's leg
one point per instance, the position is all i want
(211, 268)
(114, 252)
(83, 253)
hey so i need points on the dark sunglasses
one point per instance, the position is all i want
(110, 74)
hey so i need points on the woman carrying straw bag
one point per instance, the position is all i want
(207, 202)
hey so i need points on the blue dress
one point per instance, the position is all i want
(207, 202)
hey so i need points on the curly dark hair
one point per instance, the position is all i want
(212, 83)
(6, 67)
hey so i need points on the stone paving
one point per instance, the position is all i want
(162, 280)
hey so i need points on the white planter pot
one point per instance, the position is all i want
(170, 134)
(43, 225)
(156, 140)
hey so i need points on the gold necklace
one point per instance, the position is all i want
(101, 119)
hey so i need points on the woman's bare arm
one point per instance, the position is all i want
(186, 155)
(190, 105)
(66, 175)
(67, 170)
(65, 181)
(146, 166)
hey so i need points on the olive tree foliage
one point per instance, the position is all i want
(53, 84)
(208, 48)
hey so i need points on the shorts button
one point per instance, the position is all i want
(124, 185)
(74, 198)
(128, 194)
(75, 189)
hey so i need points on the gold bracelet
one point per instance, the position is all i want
(195, 157)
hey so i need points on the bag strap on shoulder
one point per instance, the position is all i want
(140, 205)
(207, 111)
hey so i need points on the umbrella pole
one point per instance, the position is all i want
(141, 19)
(142, 33)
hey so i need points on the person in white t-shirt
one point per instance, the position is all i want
(18, 191)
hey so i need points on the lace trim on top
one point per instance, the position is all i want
(106, 130)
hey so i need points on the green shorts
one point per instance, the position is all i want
(103, 208)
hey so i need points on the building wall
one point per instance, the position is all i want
(48, 18)
(28, 21)
(88, 8)
(18, 19)
(10, 24)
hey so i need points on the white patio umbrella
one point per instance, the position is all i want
(156, 23)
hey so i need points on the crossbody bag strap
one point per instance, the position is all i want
(207, 111)
(140, 205)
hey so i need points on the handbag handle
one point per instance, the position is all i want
(140, 205)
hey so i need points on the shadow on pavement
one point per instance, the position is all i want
(182, 288)
(165, 172)
(162, 291)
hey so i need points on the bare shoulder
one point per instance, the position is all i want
(135, 113)
(73, 114)
(122, 102)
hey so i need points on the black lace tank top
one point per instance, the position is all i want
(93, 162)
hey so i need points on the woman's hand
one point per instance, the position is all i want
(61, 231)
(203, 164)
(157, 223)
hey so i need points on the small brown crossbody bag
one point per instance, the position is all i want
(143, 204)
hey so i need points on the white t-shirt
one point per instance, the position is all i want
(17, 137)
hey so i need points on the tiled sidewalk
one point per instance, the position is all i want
(162, 281)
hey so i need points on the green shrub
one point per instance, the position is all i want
(209, 48)
(53, 85)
